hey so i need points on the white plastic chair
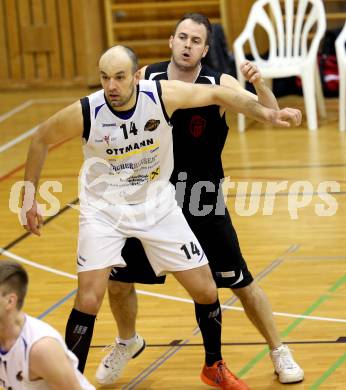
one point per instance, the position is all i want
(341, 57)
(289, 53)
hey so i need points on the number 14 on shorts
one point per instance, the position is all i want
(193, 249)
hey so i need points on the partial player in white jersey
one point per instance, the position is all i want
(125, 189)
(33, 355)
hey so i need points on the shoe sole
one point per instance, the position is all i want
(208, 381)
(140, 350)
(287, 382)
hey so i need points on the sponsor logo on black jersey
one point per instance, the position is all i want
(19, 376)
(151, 125)
(197, 126)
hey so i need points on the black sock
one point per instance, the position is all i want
(79, 331)
(209, 321)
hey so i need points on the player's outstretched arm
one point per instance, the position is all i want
(49, 362)
(65, 124)
(180, 95)
(252, 74)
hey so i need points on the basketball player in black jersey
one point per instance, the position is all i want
(199, 136)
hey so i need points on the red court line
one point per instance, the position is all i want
(7, 175)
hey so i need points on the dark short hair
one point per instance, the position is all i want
(198, 18)
(15, 279)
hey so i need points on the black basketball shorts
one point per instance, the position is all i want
(219, 240)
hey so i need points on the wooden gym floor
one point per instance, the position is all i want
(299, 259)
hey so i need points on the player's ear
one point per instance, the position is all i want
(12, 300)
(205, 51)
(170, 43)
(137, 76)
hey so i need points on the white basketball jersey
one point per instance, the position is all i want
(126, 158)
(14, 364)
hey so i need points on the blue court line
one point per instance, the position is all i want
(56, 305)
(163, 358)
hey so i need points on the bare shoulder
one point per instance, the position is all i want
(50, 362)
(42, 354)
(45, 347)
(66, 123)
(74, 110)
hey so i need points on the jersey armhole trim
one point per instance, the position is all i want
(86, 117)
(147, 73)
(159, 92)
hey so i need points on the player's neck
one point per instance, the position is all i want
(174, 72)
(10, 330)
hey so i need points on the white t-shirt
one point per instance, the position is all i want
(126, 160)
(14, 364)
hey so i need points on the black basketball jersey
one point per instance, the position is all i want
(199, 135)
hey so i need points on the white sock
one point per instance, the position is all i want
(126, 342)
(278, 348)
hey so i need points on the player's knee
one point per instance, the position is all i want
(119, 290)
(88, 302)
(249, 294)
(206, 295)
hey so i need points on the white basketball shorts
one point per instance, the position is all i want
(168, 241)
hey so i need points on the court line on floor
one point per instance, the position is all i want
(19, 167)
(318, 302)
(340, 340)
(15, 110)
(18, 139)
(37, 265)
(29, 103)
(45, 222)
(276, 178)
(281, 194)
(334, 287)
(276, 167)
(57, 304)
(318, 258)
(29, 132)
(328, 372)
(158, 362)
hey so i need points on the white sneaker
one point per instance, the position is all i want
(113, 364)
(285, 366)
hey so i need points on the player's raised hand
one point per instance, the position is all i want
(286, 117)
(251, 72)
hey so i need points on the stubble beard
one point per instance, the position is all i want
(183, 67)
(123, 102)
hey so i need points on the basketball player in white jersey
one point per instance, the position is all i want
(125, 188)
(198, 145)
(33, 355)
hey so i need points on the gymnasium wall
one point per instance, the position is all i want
(50, 42)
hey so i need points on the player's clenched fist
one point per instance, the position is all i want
(251, 72)
(286, 117)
